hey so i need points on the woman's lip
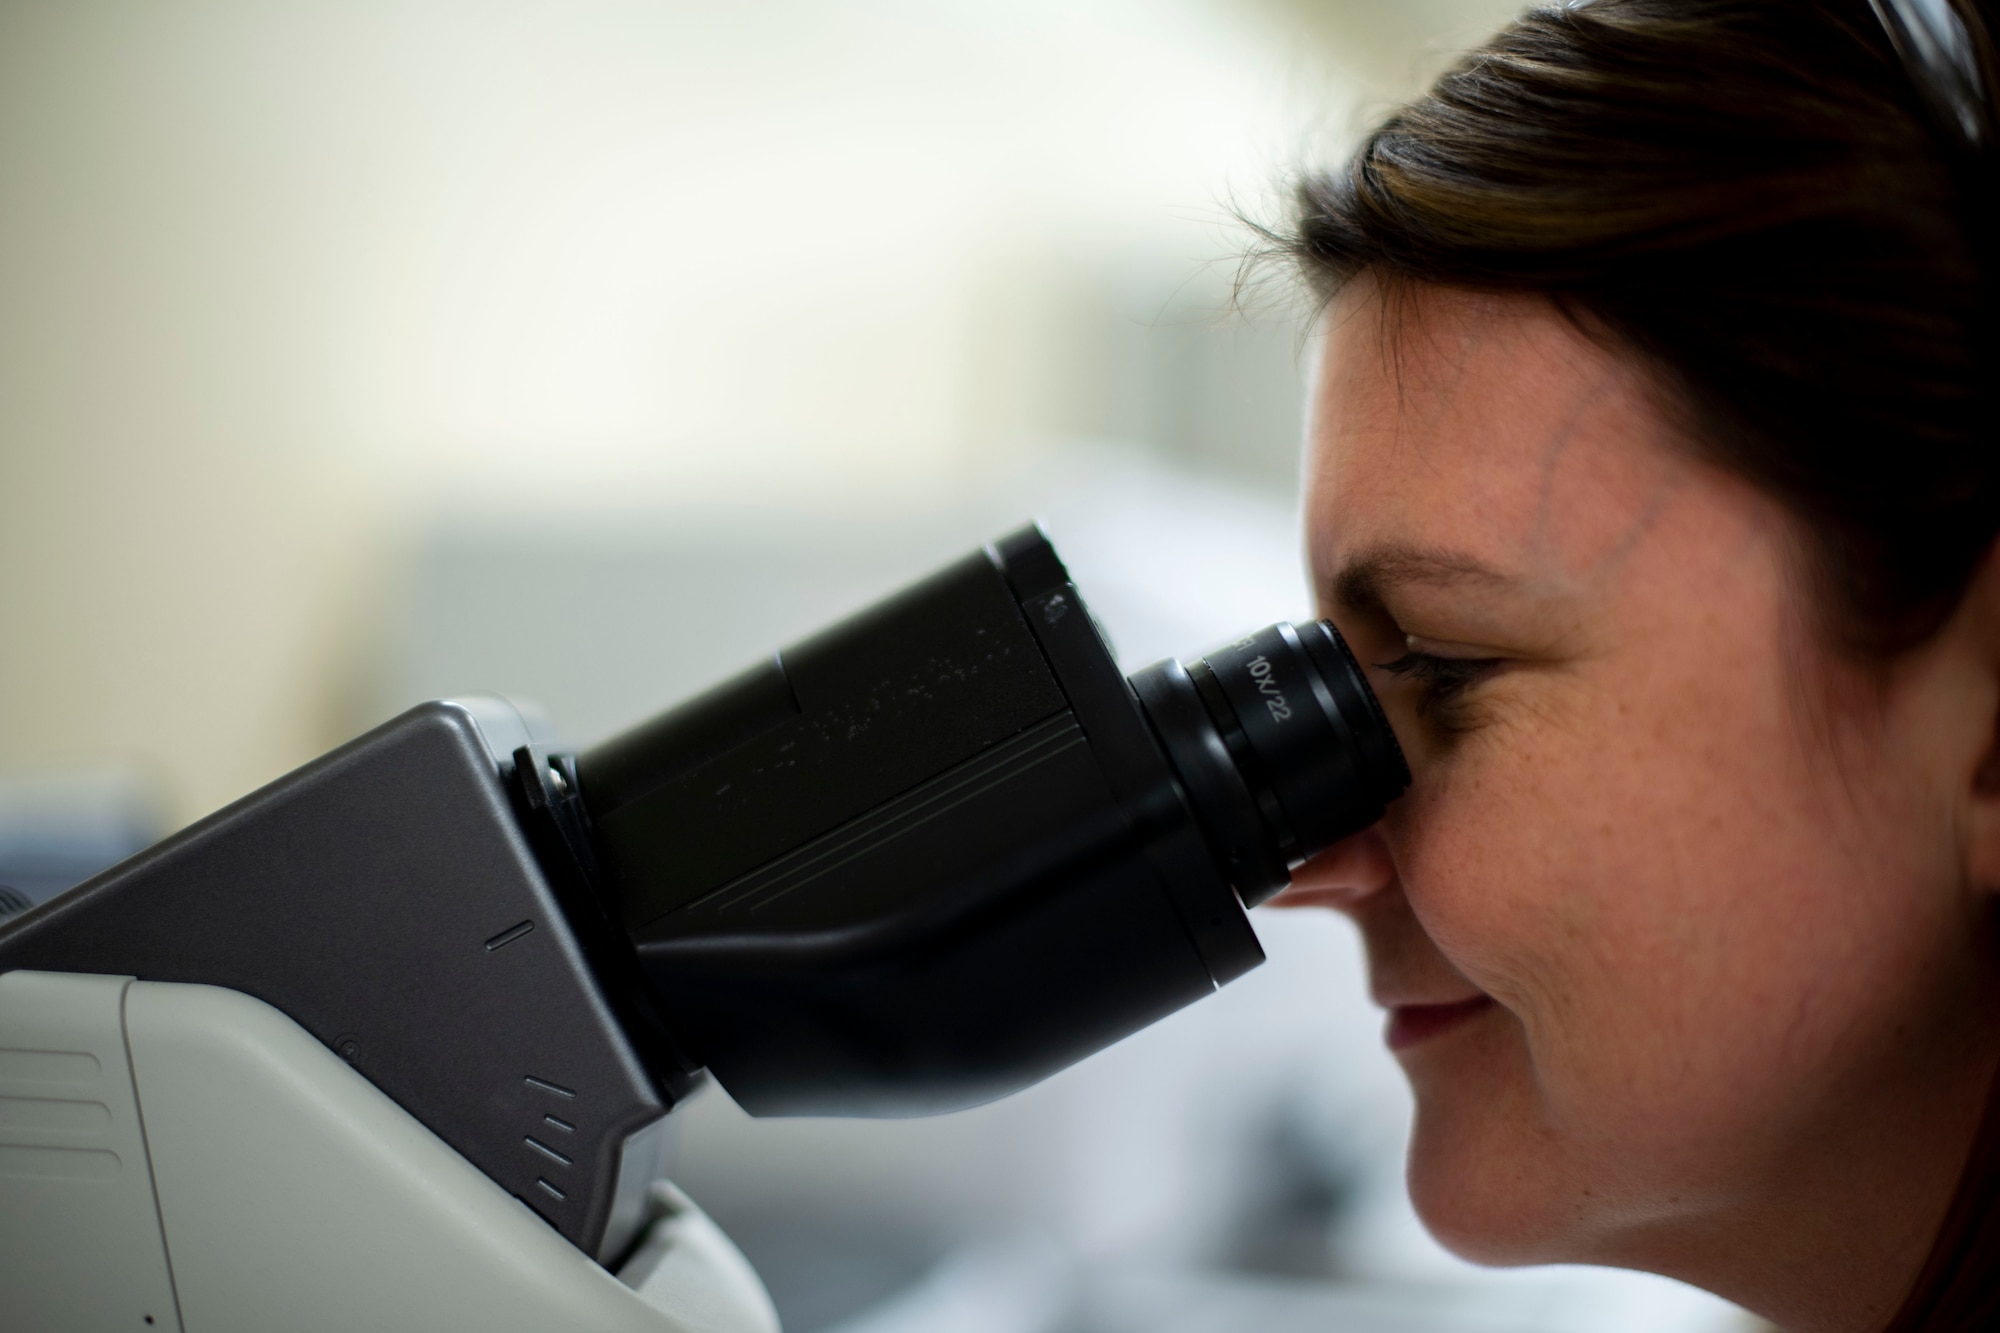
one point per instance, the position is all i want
(1412, 1023)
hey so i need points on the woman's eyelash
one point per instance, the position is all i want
(1443, 678)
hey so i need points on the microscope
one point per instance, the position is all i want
(393, 1042)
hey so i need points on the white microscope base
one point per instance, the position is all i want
(188, 1158)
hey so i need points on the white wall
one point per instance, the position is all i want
(283, 281)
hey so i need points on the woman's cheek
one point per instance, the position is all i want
(1488, 845)
(1542, 877)
(1630, 897)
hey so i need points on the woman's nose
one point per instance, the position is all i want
(1344, 875)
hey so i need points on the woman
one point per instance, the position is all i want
(1654, 465)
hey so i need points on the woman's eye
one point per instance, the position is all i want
(1440, 682)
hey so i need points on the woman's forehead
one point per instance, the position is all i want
(1485, 428)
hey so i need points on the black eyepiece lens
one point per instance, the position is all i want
(1281, 745)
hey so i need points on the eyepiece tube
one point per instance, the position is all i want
(1281, 746)
(944, 848)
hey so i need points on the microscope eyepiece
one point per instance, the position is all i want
(944, 848)
(1282, 748)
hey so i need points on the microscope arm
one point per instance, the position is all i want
(389, 899)
(180, 1156)
(351, 1053)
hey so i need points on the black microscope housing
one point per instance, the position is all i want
(919, 861)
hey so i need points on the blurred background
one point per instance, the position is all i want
(358, 353)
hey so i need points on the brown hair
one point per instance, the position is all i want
(1755, 196)
(1752, 196)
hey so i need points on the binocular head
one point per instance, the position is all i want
(944, 848)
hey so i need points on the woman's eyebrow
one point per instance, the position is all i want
(1365, 581)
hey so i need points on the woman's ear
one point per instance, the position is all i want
(1982, 830)
(1979, 618)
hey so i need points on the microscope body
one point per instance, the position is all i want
(391, 1042)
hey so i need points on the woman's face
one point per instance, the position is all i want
(1678, 926)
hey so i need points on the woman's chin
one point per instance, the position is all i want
(1479, 1221)
(1487, 1179)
